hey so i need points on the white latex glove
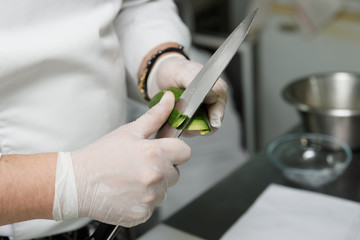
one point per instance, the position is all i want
(175, 71)
(120, 178)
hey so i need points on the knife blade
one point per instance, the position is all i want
(193, 96)
(200, 86)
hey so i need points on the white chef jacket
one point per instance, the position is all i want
(63, 83)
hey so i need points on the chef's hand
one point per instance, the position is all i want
(175, 71)
(120, 178)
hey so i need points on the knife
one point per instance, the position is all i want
(193, 97)
(195, 93)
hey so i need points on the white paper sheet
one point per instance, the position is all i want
(284, 213)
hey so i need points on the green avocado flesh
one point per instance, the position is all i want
(199, 122)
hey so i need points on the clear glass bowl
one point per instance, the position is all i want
(309, 159)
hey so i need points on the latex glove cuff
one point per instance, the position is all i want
(65, 199)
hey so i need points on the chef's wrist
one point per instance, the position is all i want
(151, 59)
(154, 80)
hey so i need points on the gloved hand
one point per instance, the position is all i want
(175, 71)
(120, 178)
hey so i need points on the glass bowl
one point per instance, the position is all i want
(309, 159)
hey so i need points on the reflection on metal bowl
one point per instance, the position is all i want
(328, 103)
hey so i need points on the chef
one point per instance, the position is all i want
(66, 70)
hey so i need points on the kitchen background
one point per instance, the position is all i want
(291, 39)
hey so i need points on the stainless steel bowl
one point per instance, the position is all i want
(328, 103)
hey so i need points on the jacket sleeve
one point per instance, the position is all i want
(141, 26)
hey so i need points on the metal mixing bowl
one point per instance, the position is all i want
(328, 103)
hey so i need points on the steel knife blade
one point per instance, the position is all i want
(200, 86)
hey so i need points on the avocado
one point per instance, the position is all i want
(199, 122)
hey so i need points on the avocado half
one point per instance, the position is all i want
(199, 122)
